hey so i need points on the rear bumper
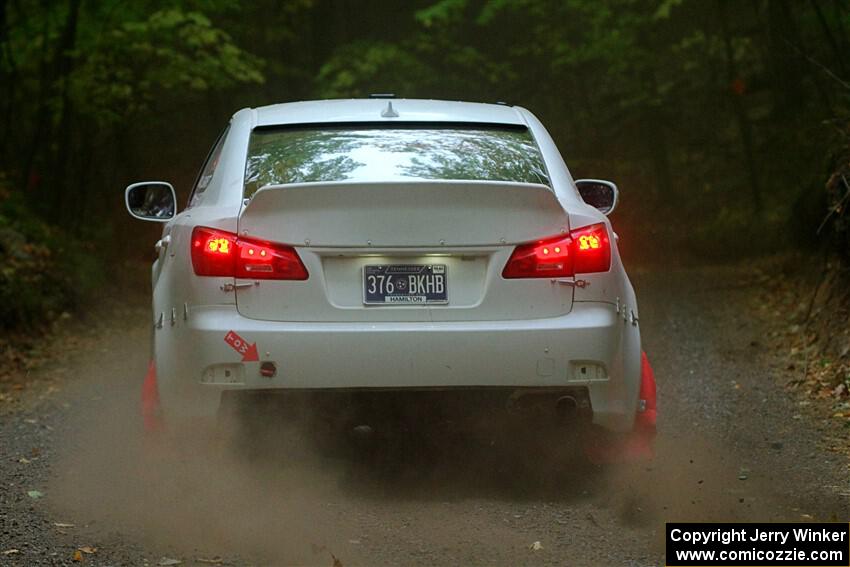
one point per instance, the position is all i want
(587, 348)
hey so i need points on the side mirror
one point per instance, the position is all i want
(151, 201)
(599, 194)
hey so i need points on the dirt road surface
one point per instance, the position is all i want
(733, 446)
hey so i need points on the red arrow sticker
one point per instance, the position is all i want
(249, 352)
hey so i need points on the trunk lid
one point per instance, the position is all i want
(339, 228)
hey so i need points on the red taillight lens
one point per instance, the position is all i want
(585, 250)
(268, 261)
(592, 249)
(213, 252)
(220, 253)
(545, 259)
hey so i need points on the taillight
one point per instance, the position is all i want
(545, 259)
(219, 253)
(585, 250)
(592, 249)
(268, 261)
(213, 252)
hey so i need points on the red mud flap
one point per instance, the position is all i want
(639, 444)
(151, 415)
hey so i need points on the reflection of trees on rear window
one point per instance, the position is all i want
(386, 154)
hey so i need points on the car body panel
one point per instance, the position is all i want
(484, 354)
(334, 291)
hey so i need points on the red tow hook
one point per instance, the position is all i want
(639, 444)
(151, 415)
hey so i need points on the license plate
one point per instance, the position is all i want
(405, 284)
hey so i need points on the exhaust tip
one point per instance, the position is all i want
(566, 408)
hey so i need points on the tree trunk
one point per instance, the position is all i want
(41, 130)
(740, 111)
(65, 65)
(8, 77)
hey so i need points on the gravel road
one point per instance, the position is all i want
(733, 446)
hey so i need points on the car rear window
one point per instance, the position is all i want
(364, 152)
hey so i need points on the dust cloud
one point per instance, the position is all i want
(280, 496)
(195, 491)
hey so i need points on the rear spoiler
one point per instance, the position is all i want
(404, 213)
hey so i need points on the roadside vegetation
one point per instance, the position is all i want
(724, 123)
(816, 303)
(45, 272)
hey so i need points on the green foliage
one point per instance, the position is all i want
(420, 66)
(665, 8)
(45, 271)
(441, 13)
(362, 68)
(125, 68)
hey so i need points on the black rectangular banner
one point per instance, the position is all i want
(758, 545)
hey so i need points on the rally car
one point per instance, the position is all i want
(375, 253)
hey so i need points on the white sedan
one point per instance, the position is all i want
(376, 252)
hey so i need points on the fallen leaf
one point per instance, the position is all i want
(24, 461)
(78, 556)
(166, 561)
(35, 494)
(536, 546)
(88, 549)
(11, 551)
